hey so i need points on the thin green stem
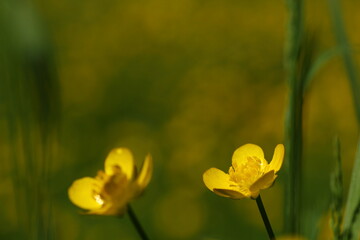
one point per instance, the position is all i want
(265, 218)
(136, 223)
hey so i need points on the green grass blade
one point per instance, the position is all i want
(293, 121)
(294, 129)
(349, 63)
(353, 199)
(336, 187)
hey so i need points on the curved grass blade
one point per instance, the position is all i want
(347, 52)
(320, 62)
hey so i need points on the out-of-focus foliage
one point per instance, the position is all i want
(188, 81)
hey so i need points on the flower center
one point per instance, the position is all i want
(110, 187)
(247, 172)
(116, 182)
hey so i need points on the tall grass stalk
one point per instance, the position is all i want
(353, 199)
(31, 98)
(293, 121)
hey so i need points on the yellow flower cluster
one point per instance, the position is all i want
(112, 189)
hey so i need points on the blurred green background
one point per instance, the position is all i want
(187, 81)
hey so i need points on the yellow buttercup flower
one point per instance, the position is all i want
(111, 190)
(249, 173)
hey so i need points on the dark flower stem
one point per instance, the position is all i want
(265, 218)
(136, 223)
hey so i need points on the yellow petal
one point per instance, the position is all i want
(81, 193)
(263, 182)
(122, 158)
(145, 173)
(215, 178)
(242, 154)
(277, 159)
(229, 193)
